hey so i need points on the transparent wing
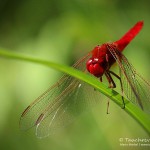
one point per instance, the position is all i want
(60, 104)
(72, 102)
(135, 87)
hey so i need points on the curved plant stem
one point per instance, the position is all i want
(142, 118)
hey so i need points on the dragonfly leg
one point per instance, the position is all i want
(108, 107)
(108, 76)
(118, 77)
(110, 80)
(111, 85)
(101, 80)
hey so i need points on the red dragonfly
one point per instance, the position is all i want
(69, 97)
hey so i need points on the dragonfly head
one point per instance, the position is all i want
(96, 66)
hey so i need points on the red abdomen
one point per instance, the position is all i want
(129, 36)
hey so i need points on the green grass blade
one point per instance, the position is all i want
(142, 118)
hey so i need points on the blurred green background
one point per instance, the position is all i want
(63, 31)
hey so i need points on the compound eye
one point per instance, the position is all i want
(93, 65)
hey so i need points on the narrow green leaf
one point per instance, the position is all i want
(142, 118)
